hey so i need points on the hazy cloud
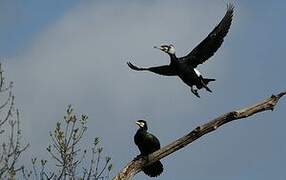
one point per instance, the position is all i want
(81, 59)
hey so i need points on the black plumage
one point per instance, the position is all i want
(148, 143)
(184, 67)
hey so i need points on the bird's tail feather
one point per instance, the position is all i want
(135, 67)
(206, 80)
(154, 169)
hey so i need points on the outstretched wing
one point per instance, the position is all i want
(212, 42)
(162, 70)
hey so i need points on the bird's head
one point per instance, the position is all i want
(169, 49)
(142, 124)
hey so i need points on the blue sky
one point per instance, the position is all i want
(21, 20)
(74, 52)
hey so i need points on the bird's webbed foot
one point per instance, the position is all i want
(138, 157)
(141, 156)
(195, 92)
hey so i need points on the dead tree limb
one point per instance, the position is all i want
(136, 165)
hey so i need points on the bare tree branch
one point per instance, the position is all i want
(68, 155)
(135, 166)
(11, 145)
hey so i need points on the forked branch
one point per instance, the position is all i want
(136, 165)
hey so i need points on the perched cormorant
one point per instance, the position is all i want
(184, 67)
(148, 143)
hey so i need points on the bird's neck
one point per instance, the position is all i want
(142, 130)
(173, 56)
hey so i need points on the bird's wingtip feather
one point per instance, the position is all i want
(132, 66)
(230, 7)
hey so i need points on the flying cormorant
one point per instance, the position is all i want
(184, 67)
(148, 143)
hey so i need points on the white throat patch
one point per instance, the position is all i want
(141, 124)
(172, 50)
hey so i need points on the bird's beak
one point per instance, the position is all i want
(137, 123)
(156, 47)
